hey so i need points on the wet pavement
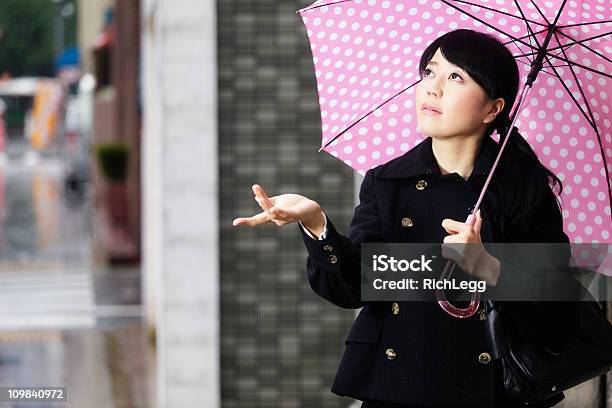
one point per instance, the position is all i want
(65, 321)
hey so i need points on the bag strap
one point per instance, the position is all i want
(496, 337)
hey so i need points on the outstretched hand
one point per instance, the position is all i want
(281, 209)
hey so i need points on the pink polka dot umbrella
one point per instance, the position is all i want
(366, 55)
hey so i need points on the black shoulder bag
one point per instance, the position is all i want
(533, 373)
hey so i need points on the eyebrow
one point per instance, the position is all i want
(432, 62)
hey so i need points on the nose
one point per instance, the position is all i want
(435, 92)
(434, 87)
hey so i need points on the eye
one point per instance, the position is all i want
(453, 75)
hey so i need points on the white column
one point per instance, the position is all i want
(180, 228)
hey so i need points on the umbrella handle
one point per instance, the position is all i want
(441, 296)
(447, 306)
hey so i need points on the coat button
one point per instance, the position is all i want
(421, 184)
(395, 308)
(407, 222)
(484, 358)
(328, 248)
(333, 259)
(390, 354)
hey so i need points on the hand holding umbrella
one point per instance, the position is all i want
(474, 258)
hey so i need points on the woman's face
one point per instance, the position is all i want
(450, 103)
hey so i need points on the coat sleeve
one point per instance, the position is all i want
(548, 322)
(333, 264)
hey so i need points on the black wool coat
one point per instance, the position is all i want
(414, 353)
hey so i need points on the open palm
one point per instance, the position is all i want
(281, 209)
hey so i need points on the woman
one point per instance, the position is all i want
(413, 354)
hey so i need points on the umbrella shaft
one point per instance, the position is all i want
(536, 65)
(508, 131)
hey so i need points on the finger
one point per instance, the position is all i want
(282, 214)
(262, 204)
(478, 223)
(258, 219)
(262, 193)
(449, 239)
(261, 197)
(453, 227)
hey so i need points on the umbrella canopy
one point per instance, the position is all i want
(366, 55)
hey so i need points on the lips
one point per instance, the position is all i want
(430, 107)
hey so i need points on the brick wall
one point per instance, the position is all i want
(280, 342)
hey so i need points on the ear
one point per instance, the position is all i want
(496, 107)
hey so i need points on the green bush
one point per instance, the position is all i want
(113, 159)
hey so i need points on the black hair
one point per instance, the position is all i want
(520, 181)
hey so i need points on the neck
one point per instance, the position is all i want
(456, 154)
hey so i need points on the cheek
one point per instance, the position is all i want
(417, 98)
(469, 105)
(418, 91)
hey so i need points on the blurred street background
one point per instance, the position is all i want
(130, 135)
(70, 307)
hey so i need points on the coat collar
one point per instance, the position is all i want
(420, 161)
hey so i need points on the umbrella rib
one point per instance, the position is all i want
(559, 13)
(524, 54)
(323, 5)
(540, 11)
(542, 70)
(535, 52)
(495, 11)
(579, 87)
(548, 28)
(368, 114)
(447, 2)
(583, 24)
(528, 35)
(527, 25)
(592, 38)
(528, 54)
(592, 119)
(528, 28)
(588, 117)
(560, 66)
(561, 47)
(601, 148)
(580, 65)
(581, 41)
(585, 46)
